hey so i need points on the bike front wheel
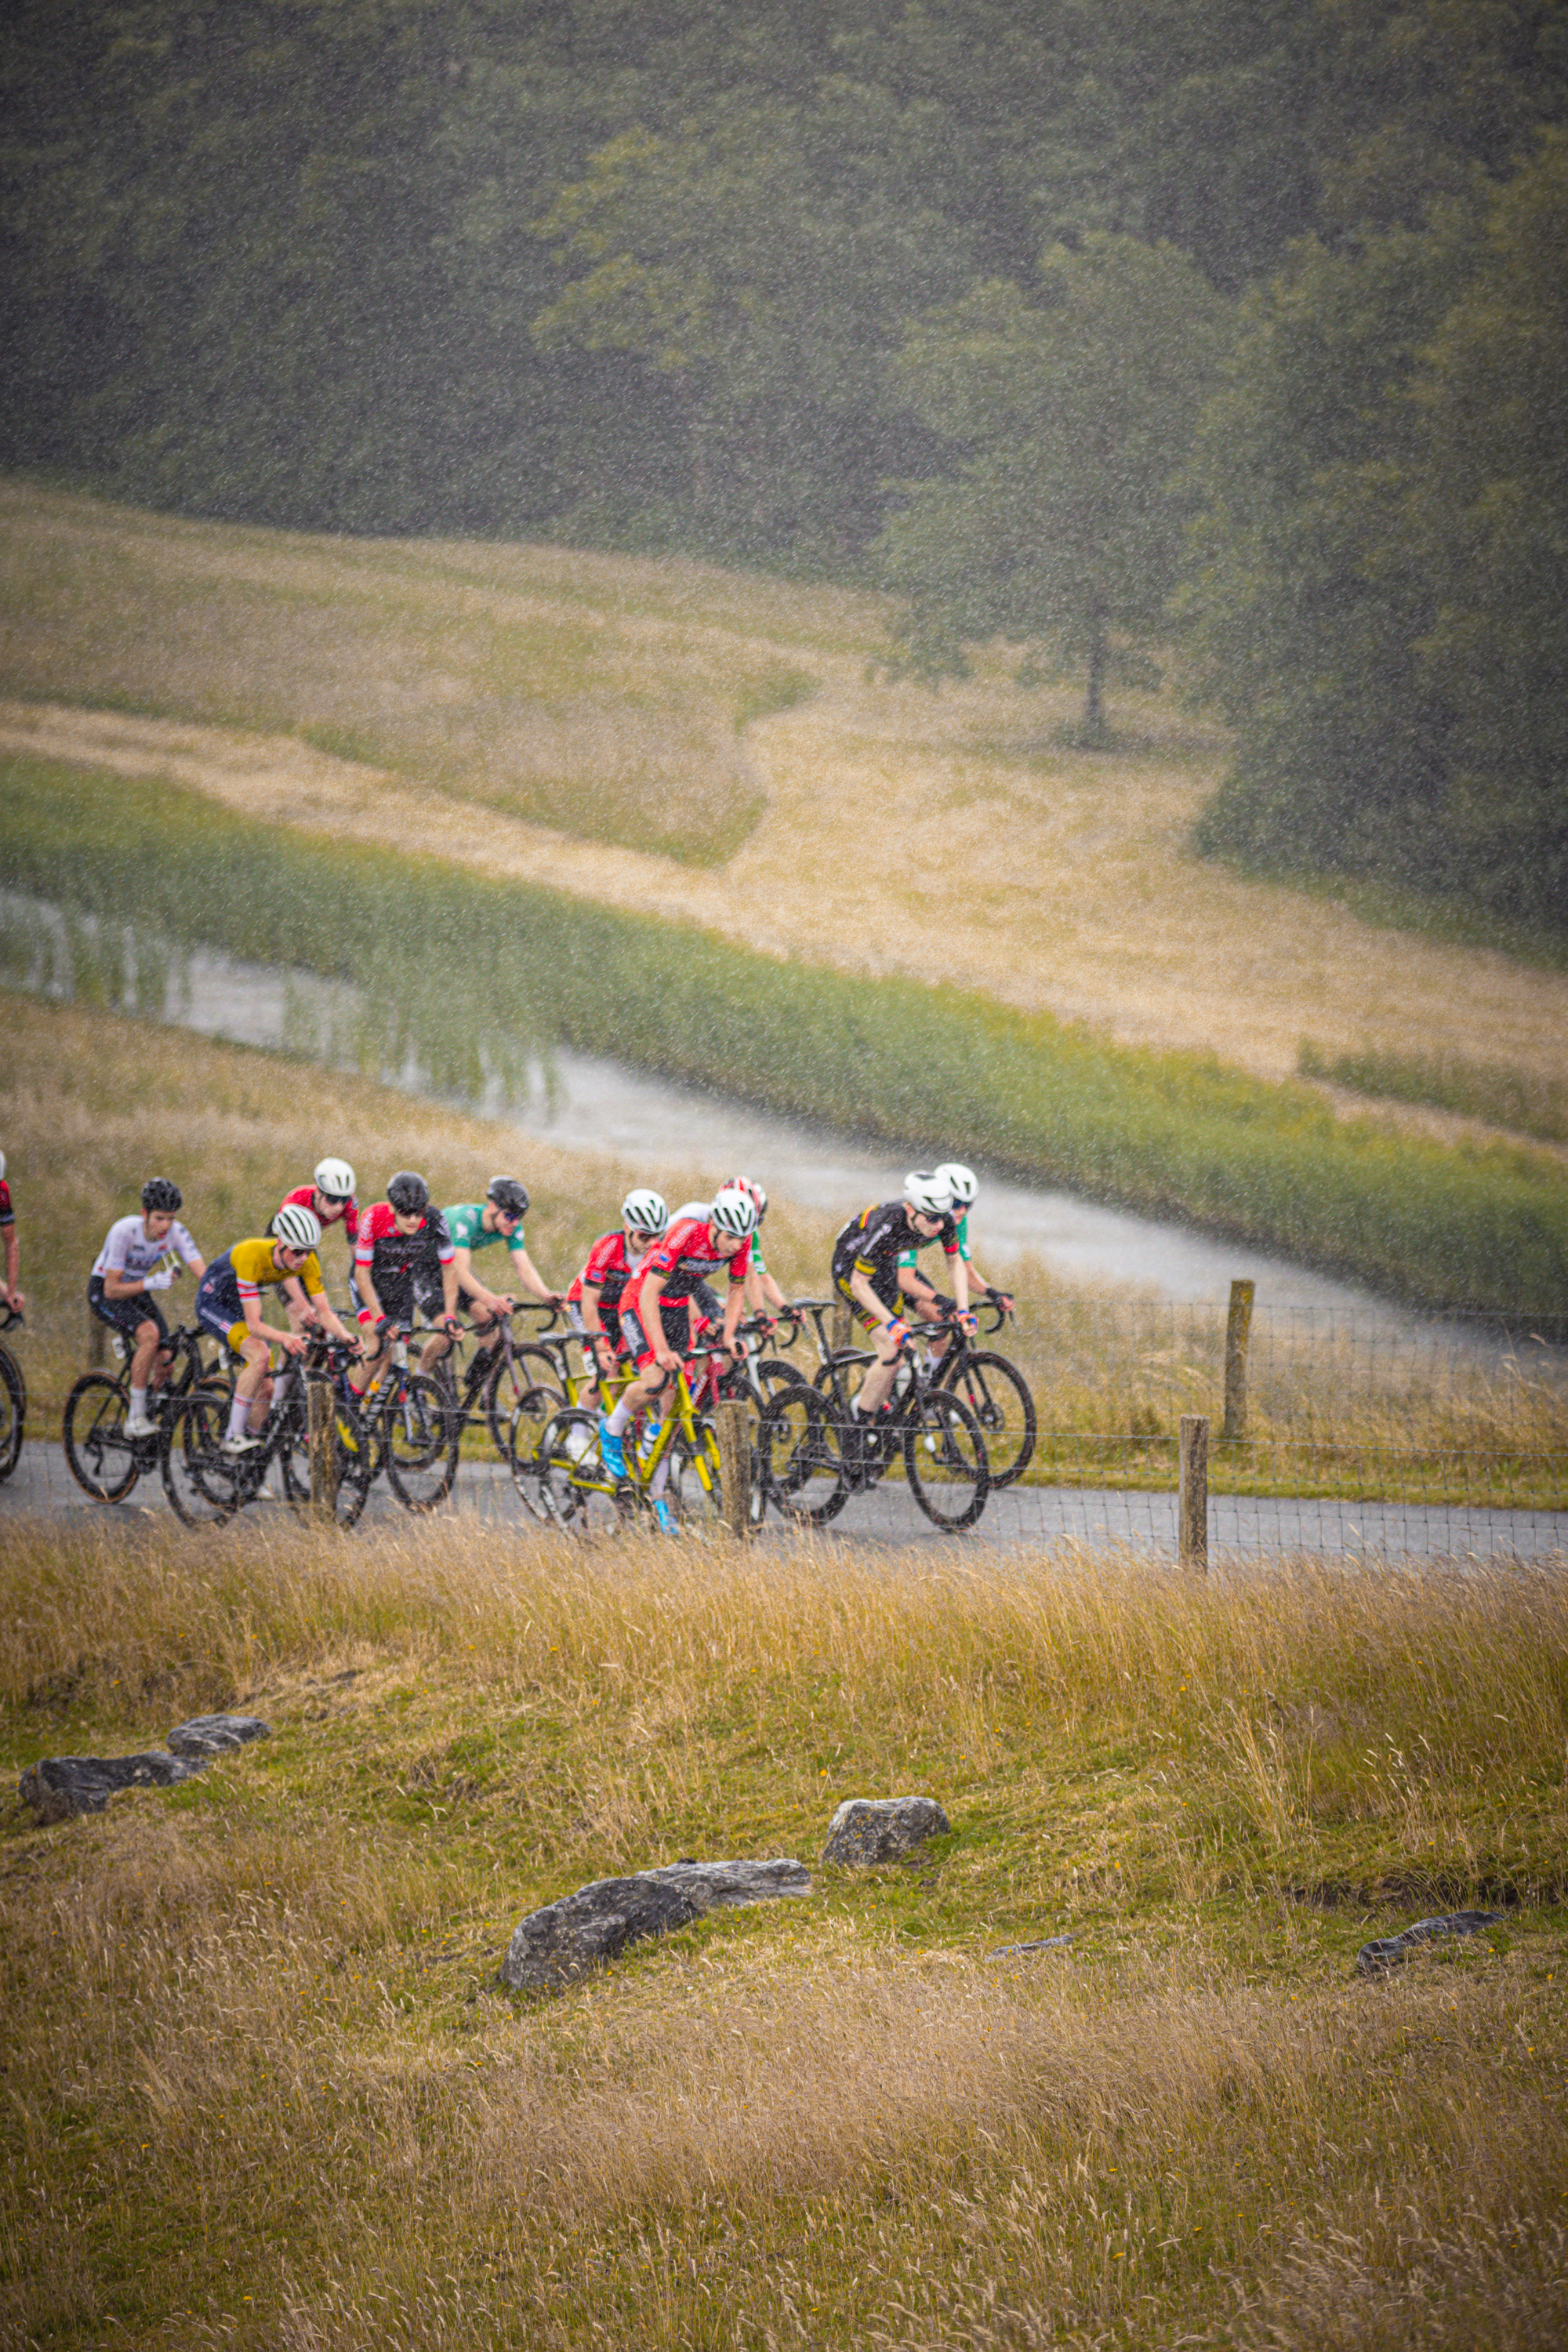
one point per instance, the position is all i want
(529, 1372)
(203, 1485)
(530, 1418)
(575, 1489)
(13, 1413)
(944, 1459)
(420, 1433)
(353, 1458)
(103, 1461)
(998, 1396)
(692, 1487)
(800, 1460)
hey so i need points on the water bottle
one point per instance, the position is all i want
(652, 1433)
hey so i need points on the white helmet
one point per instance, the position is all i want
(733, 1211)
(960, 1181)
(749, 1184)
(296, 1227)
(645, 1211)
(927, 1190)
(335, 1179)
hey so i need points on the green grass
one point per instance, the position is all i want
(1492, 1091)
(263, 2088)
(473, 974)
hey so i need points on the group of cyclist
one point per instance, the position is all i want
(643, 1299)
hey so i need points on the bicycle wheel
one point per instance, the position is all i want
(525, 1437)
(692, 1488)
(800, 1462)
(353, 1451)
(203, 1485)
(575, 1489)
(13, 1412)
(998, 1396)
(843, 1373)
(944, 1459)
(103, 1461)
(533, 1372)
(420, 1432)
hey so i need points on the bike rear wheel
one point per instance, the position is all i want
(531, 1371)
(998, 1396)
(203, 1485)
(353, 1456)
(13, 1413)
(574, 1489)
(800, 1460)
(944, 1459)
(420, 1432)
(103, 1461)
(525, 1436)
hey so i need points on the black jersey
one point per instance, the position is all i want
(396, 1258)
(873, 1243)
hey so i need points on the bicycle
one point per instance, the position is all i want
(941, 1440)
(991, 1385)
(105, 1463)
(412, 1426)
(13, 1401)
(206, 1485)
(564, 1480)
(501, 1372)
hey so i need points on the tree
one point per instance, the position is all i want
(1068, 406)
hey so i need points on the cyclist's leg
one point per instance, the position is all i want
(141, 1326)
(878, 1385)
(397, 1306)
(253, 1389)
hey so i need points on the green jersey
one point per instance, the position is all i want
(467, 1226)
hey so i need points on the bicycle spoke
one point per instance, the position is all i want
(203, 1483)
(103, 1461)
(998, 1396)
(420, 1437)
(944, 1459)
(800, 1471)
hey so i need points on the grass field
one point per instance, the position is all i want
(263, 2089)
(727, 721)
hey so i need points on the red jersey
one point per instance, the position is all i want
(392, 1256)
(688, 1254)
(607, 1267)
(8, 1213)
(344, 1212)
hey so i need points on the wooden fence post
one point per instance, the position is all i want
(322, 1428)
(1193, 1497)
(841, 1327)
(1238, 1331)
(735, 1466)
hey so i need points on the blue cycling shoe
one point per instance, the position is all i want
(664, 1517)
(612, 1451)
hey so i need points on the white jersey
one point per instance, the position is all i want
(700, 1210)
(128, 1251)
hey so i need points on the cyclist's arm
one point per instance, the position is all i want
(119, 1285)
(862, 1291)
(473, 1289)
(978, 1284)
(532, 1279)
(449, 1286)
(251, 1309)
(762, 1291)
(648, 1305)
(373, 1312)
(593, 1331)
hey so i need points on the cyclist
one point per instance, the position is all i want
(9, 1293)
(330, 1197)
(594, 1301)
(762, 1290)
(403, 1244)
(128, 1272)
(229, 1305)
(869, 1270)
(477, 1225)
(655, 1317)
(961, 1183)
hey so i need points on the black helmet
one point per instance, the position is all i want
(408, 1193)
(160, 1197)
(510, 1195)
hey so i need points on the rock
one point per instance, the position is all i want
(62, 1785)
(212, 1735)
(1040, 1944)
(549, 1947)
(879, 1829)
(1393, 1951)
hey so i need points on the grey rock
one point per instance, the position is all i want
(867, 1830)
(62, 1785)
(1393, 1951)
(551, 1946)
(214, 1734)
(1040, 1944)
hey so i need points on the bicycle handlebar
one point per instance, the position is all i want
(12, 1318)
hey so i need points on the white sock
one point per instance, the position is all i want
(660, 1479)
(239, 1413)
(138, 1404)
(621, 1419)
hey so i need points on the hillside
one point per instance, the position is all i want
(664, 735)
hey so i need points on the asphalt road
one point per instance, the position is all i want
(1015, 1518)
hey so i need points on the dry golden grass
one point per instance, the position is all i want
(1045, 877)
(263, 2089)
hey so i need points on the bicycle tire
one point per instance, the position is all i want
(13, 1412)
(800, 1458)
(1009, 1429)
(508, 1385)
(92, 1429)
(571, 1475)
(353, 1450)
(694, 1486)
(945, 1459)
(420, 1433)
(525, 1436)
(830, 1379)
(204, 1486)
